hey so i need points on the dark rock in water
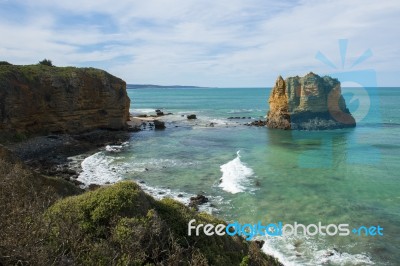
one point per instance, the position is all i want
(180, 196)
(257, 123)
(159, 124)
(192, 116)
(197, 200)
(159, 113)
(259, 243)
(310, 102)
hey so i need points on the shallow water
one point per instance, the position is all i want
(339, 176)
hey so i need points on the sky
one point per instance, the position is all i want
(222, 43)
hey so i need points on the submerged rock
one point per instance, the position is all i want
(310, 102)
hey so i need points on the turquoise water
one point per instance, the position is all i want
(340, 176)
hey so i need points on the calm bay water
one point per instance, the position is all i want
(339, 176)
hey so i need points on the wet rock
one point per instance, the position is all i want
(159, 113)
(159, 124)
(197, 200)
(259, 243)
(257, 123)
(192, 116)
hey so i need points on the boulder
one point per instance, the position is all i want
(197, 200)
(192, 116)
(159, 113)
(159, 124)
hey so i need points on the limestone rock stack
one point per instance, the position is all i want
(310, 102)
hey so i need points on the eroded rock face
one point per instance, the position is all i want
(310, 102)
(42, 99)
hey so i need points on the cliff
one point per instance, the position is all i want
(45, 99)
(310, 102)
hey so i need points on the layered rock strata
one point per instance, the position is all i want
(308, 103)
(44, 99)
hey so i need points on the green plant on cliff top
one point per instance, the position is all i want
(46, 62)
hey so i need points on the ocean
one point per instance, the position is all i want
(251, 174)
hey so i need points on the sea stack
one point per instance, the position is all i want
(308, 103)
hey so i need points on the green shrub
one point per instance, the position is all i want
(46, 62)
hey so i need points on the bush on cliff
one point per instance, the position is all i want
(122, 225)
(46, 62)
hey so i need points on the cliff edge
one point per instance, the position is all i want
(39, 99)
(308, 103)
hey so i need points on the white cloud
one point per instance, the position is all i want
(210, 43)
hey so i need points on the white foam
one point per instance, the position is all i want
(241, 111)
(96, 169)
(234, 173)
(116, 148)
(143, 111)
(308, 251)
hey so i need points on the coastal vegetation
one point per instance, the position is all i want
(48, 221)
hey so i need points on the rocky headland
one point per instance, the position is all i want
(308, 103)
(40, 99)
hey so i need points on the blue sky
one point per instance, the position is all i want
(225, 43)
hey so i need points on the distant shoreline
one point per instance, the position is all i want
(151, 86)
